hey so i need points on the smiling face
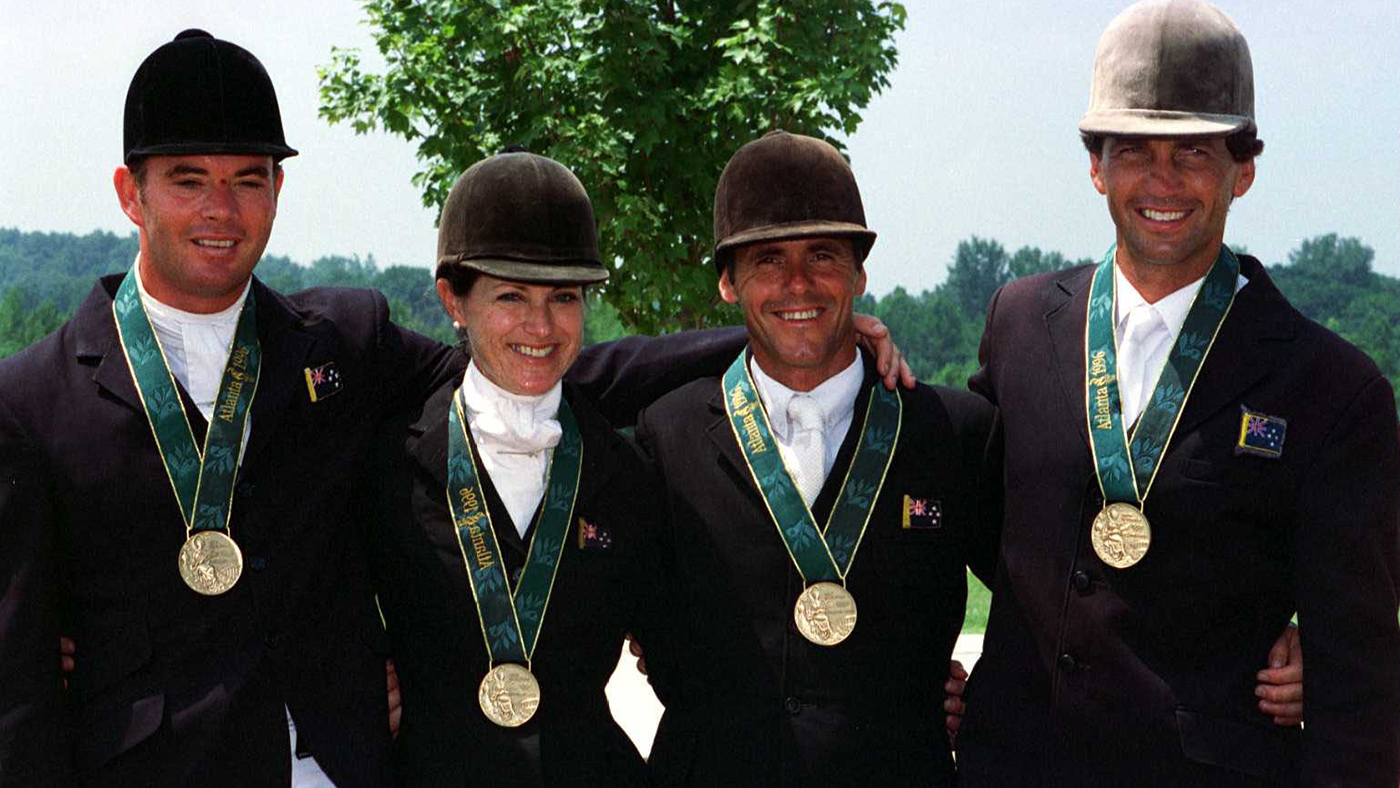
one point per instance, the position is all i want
(1169, 199)
(797, 300)
(523, 337)
(204, 221)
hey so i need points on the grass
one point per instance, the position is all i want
(979, 601)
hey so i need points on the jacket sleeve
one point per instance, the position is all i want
(652, 601)
(410, 366)
(985, 540)
(1346, 566)
(33, 725)
(626, 375)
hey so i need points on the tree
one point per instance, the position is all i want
(979, 267)
(645, 100)
(1325, 274)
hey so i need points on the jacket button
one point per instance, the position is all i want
(793, 706)
(1082, 582)
(244, 490)
(258, 563)
(1067, 663)
(273, 639)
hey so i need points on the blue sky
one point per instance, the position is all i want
(975, 136)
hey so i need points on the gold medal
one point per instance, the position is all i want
(1120, 535)
(210, 562)
(825, 613)
(509, 695)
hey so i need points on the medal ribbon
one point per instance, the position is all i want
(510, 621)
(1126, 470)
(819, 556)
(201, 477)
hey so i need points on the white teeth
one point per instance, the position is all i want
(215, 244)
(1162, 216)
(533, 352)
(806, 314)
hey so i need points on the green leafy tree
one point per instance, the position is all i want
(979, 267)
(22, 323)
(644, 99)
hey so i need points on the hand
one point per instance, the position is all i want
(635, 649)
(66, 649)
(874, 336)
(1280, 687)
(953, 704)
(395, 698)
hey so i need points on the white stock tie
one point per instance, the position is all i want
(807, 427)
(1140, 359)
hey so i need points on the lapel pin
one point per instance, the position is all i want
(592, 537)
(922, 513)
(1261, 434)
(323, 381)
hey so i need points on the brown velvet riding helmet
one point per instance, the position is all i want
(523, 217)
(1171, 68)
(783, 186)
(198, 94)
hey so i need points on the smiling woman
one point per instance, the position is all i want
(513, 526)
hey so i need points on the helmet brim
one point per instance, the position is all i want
(572, 272)
(1161, 123)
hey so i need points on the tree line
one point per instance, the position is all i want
(1331, 279)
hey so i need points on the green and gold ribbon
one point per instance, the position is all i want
(1126, 468)
(819, 554)
(511, 620)
(202, 477)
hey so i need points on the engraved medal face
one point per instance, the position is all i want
(1120, 535)
(825, 613)
(509, 695)
(210, 562)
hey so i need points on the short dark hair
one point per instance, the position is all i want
(1243, 145)
(459, 277)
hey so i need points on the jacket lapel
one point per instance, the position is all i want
(1066, 305)
(1255, 333)
(428, 436)
(98, 344)
(285, 347)
(721, 434)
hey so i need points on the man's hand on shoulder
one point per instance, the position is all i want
(874, 336)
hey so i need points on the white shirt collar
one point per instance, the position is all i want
(510, 422)
(163, 313)
(837, 395)
(195, 345)
(1171, 309)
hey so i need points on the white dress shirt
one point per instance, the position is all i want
(514, 435)
(1145, 334)
(836, 398)
(195, 346)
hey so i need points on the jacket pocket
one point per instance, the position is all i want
(115, 708)
(1263, 751)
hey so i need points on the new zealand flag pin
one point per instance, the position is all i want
(322, 382)
(1261, 434)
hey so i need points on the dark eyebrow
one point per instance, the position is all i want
(177, 170)
(185, 169)
(769, 250)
